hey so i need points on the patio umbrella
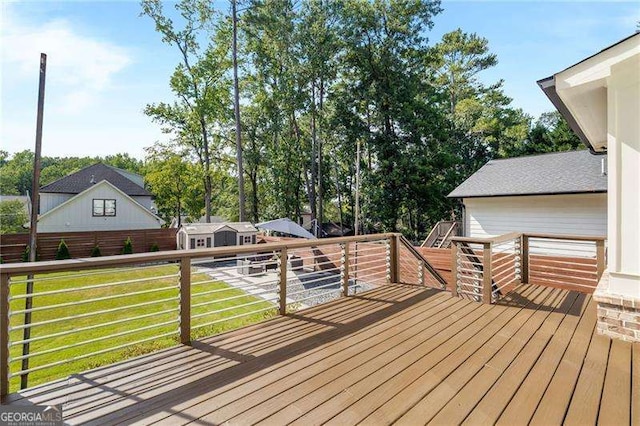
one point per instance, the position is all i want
(286, 226)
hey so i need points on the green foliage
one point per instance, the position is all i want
(13, 217)
(95, 252)
(128, 246)
(63, 251)
(154, 247)
(25, 254)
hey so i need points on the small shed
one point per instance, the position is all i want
(207, 235)
(556, 193)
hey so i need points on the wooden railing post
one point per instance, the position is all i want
(600, 259)
(524, 257)
(486, 273)
(394, 259)
(185, 300)
(283, 281)
(454, 268)
(345, 269)
(4, 336)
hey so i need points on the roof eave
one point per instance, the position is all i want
(527, 194)
(548, 86)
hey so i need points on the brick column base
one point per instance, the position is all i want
(618, 316)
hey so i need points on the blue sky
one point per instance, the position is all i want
(106, 63)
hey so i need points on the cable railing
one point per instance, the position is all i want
(485, 269)
(84, 313)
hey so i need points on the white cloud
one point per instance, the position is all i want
(79, 66)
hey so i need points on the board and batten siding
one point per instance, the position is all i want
(76, 215)
(51, 200)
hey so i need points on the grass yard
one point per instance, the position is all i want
(71, 353)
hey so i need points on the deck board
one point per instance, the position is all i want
(400, 353)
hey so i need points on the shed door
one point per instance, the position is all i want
(225, 238)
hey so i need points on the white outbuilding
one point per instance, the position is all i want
(207, 235)
(556, 193)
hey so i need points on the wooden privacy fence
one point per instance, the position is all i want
(80, 244)
(485, 269)
(80, 310)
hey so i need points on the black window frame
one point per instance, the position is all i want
(104, 207)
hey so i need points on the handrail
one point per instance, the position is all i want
(137, 258)
(426, 263)
(487, 240)
(453, 226)
(566, 237)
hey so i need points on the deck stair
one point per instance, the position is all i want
(441, 234)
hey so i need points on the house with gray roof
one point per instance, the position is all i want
(97, 198)
(555, 193)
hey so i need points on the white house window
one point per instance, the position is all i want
(200, 243)
(247, 239)
(104, 207)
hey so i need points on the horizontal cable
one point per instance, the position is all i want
(316, 295)
(93, 327)
(215, 301)
(246, 314)
(231, 308)
(86, 274)
(320, 279)
(97, 339)
(103, 351)
(90, 314)
(337, 283)
(113, 284)
(97, 299)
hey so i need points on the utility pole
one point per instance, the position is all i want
(33, 229)
(236, 107)
(357, 224)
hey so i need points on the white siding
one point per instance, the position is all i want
(76, 215)
(49, 201)
(575, 214)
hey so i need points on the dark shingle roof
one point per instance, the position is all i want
(556, 173)
(79, 181)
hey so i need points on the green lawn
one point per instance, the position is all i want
(78, 303)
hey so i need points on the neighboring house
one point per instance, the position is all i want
(97, 198)
(557, 193)
(600, 99)
(205, 235)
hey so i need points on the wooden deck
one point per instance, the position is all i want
(399, 354)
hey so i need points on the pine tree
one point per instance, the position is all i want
(63, 251)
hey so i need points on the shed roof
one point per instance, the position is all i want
(554, 173)
(79, 181)
(210, 228)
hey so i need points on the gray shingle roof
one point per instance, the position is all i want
(556, 173)
(79, 181)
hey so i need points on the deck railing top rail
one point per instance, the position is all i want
(138, 258)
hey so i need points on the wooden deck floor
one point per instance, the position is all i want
(399, 354)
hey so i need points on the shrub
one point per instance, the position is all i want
(63, 251)
(95, 252)
(128, 246)
(154, 247)
(25, 254)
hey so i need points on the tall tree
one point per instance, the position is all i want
(200, 116)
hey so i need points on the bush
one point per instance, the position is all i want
(63, 251)
(25, 254)
(154, 247)
(95, 252)
(128, 246)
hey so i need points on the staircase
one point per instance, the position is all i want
(441, 234)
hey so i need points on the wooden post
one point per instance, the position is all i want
(283, 281)
(486, 273)
(524, 255)
(185, 300)
(600, 258)
(345, 265)
(4, 336)
(394, 259)
(454, 268)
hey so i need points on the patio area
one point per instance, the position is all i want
(400, 353)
